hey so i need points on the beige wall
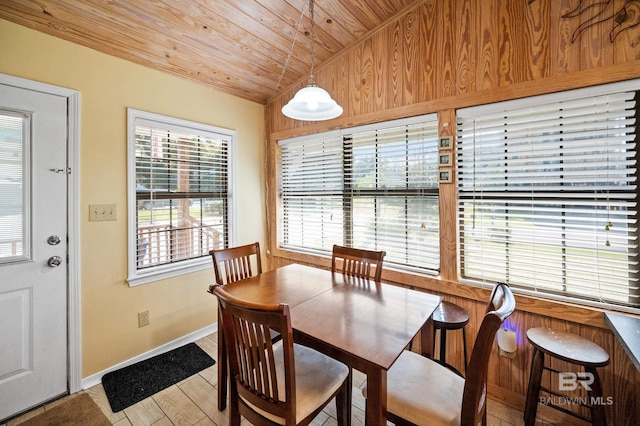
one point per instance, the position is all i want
(108, 85)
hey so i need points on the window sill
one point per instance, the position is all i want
(168, 271)
(538, 305)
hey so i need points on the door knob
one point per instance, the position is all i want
(54, 261)
(53, 240)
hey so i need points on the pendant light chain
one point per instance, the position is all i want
(312, 77)
(290, 54)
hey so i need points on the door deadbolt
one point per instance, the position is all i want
(53, 240)
(54, 261)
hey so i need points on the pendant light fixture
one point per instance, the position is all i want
(312, 103)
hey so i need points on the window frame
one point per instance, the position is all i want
(349, 195)
(534, 101)
(138, 276)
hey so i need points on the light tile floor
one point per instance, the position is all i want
(194, 402)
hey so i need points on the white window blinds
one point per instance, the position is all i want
(182, 192)
(547, 194)
(372, 187)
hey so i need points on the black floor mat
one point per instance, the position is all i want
(136, 382)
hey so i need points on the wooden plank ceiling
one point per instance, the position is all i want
(236, 46)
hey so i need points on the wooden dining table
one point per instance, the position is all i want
(364, 324)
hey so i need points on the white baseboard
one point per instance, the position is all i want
(95, 379)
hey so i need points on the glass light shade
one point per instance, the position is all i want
(312, 103)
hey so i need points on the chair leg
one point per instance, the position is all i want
(433, 350)
(464, 349)
(234, 407)
(222, 367)
(443, 345)
(533, 391)
(343, 402)
(598, 416)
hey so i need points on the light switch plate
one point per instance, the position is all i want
(103, 212)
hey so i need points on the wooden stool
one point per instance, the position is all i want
(449, 316)
(575, 350)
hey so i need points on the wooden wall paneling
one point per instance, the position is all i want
(565, 312)
(448, 204)
(380, 76)
(447, 25)
(625, 386)
(269, 124)
(426, 69)
(487, 60)
(565, 58)
(382, 68)
(270, 177)
(274, 118)
(394, 60)
(538, 27)
(465, 47)
(626, 41)
(279, 120)
(355, 85)
(513, 52)
(511, 370)
(331, 81)
(340, 90)
(362, 82)
(512, 43)
(591, 34)
(524, 355)
(412, 58)
(504, 372)
(495, 367)
(476, 312)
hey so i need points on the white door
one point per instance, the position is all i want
(33, 249)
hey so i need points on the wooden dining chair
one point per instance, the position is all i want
(230, 265)
(358, 262)
(236, 263)
(285, 383)
(421, 391)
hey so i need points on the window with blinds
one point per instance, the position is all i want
(548, 194)
(181, 187)
(371, 187)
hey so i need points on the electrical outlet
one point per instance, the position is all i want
(143, 319)
(103, 212)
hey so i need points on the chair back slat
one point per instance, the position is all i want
(358, 263)
(236, 263)
(252, 359)
(474, 400)
(256, 358)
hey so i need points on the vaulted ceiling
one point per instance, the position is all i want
(237, 46)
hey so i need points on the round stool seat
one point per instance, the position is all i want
(450, 316)
(568, 347)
